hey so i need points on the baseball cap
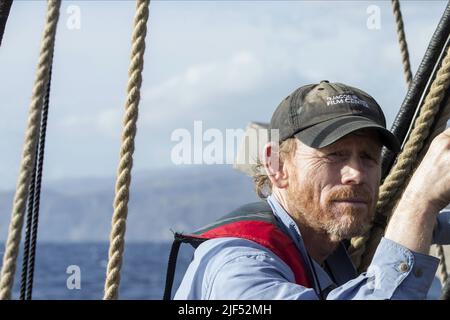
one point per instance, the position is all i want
(320, 114)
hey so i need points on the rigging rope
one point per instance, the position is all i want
(29, 149)
(439, 128)
(117, 237)
(34, 196)
(443, 273)
(402, 41)
(5, 7)
(425, 71)
(431, 60)
(28, 226)
(364, 247)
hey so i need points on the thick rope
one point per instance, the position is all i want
(377, 231)
(402, 41)
(5, 7)
(440, 126)
(413, 98)
(117, 237)
(28, 227)
(361, 251)
(33, 204)
(37, 192)
(443, 274)
(358, 244)
(420, 133)
(29, 149)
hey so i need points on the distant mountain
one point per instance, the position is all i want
(181, 199)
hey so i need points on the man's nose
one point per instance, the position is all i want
(353, 171)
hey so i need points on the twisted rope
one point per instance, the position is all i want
(31, 233)
(362, 248)
(413, 146)
(117, 237)
(443, 273)
(29, 149)
(29, 248)
(402, 41)
(28, 227)
(440, 126)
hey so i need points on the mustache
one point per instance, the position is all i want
(355, 193)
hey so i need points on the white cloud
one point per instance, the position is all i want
(266, 51)
(201, 84)
(226, 63)
(109, 122)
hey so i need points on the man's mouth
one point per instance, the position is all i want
(354, 201)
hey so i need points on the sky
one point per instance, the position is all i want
(224, 63)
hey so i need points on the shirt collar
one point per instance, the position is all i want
(323, 278)
(286, 219)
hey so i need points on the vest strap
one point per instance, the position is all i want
(255, 222)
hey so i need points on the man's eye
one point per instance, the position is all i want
(336, 155)
(370, 157)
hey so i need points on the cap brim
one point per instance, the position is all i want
(327, 132)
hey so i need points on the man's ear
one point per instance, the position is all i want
(274, 166)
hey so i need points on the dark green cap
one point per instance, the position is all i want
(320, 114)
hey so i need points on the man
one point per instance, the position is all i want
(323, 181)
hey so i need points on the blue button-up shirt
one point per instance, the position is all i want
(233, 268)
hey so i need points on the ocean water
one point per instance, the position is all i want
(142, 277)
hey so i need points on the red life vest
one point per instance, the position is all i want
(255, 222)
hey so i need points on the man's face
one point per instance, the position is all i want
(334, 189)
